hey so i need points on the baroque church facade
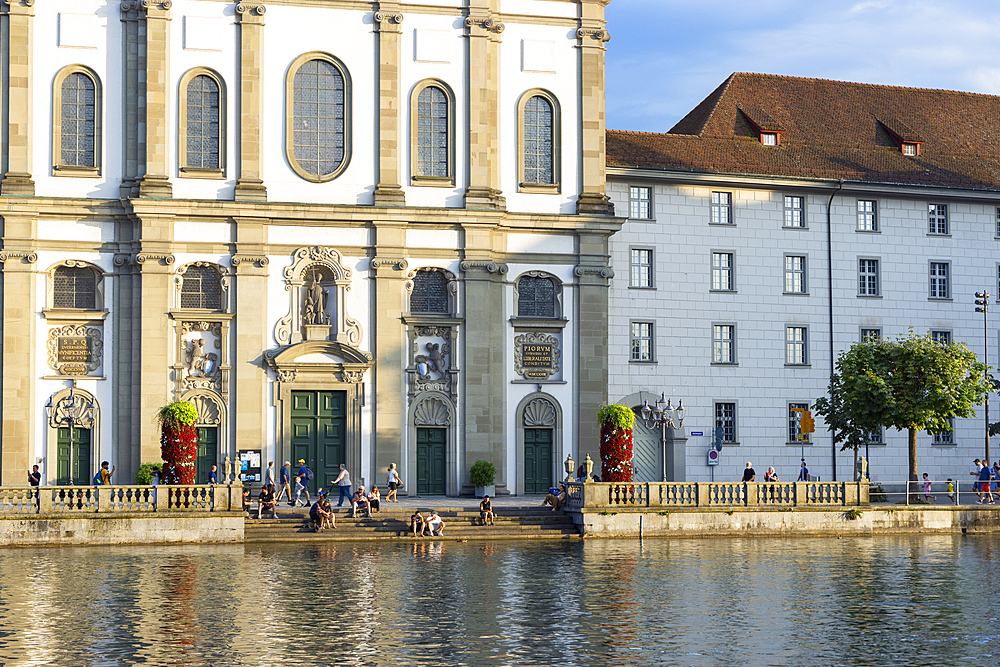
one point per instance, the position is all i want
(348, 232)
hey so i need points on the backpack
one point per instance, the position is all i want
(97, 478)
(309, 474)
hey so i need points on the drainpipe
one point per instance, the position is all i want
(829, 300)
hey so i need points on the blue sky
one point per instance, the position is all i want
(665, 56)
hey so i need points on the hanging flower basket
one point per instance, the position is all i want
(616, 443)
(178, 442)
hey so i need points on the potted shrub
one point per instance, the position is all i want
(482, 476)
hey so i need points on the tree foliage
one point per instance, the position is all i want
(911, 383)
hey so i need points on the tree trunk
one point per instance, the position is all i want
(913, 485)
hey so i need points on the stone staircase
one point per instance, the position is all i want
(394, 524)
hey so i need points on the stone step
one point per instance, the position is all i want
(486, 534)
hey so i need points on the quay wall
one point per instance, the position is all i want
(761, 522)
(121, 528)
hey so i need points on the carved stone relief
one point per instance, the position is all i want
(201, 369)
(430, 363)
(317, 282)
(539, 412)
(209, 411)
(432, 412)
(75, 349)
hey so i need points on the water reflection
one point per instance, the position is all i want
(921, 600)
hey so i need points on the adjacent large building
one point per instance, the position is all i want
(780, 221)
(348, 232)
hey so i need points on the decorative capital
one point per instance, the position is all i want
(129, 5)
(399, 263)
(250, 12)
(351, 377)
(597, 34)
(19, 3)
(602, 271)
(165, 258)
(259, 260)
(388, 17)
(487, 24)
(488, 266)
(288, 375)
(28, 257)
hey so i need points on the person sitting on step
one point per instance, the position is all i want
(320, 515)
(374, 499)
(360, 500)
(556, 497)
(434, 523)
(486, 511)
(266, 501)
(417, 524)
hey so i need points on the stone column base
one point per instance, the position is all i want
(594, 204)
(485, 198)
(388, 195)
(156, 187)
(250, 189)
(17, 184)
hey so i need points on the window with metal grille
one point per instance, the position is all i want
(725, 418)
(794, 417)
(78, 118)
(871, 335)
(318, 135)
(641, 274)
(946, 438)
(867, 215)
(201, 288)
(638, 203)
(939, 280)
(203, 123)
(795, 274)
(430, 293)
(536, 297)
(722, 208)
(795, 212)
(868, 283)
(937, 218)
(875, 438)
(432, 133)
(538, 141)
(941, 337)
(642, 341)
(74, 288)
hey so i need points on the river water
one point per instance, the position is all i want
(914, 600)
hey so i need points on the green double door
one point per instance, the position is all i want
(537, 460)
(208, 447)
(431, 461)
(319, 434)
(82, 473)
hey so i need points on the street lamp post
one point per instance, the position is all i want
(71, 413)
(982, 305)
(660, 416)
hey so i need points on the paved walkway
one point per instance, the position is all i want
(441, 502)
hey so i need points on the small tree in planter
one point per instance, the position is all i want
(178, 442)
(482, 476)
(616, 443)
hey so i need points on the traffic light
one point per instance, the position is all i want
(808, 425)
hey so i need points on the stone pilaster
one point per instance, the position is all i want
(147, 69)
(390, 136)
(483, 29)
(249, 305)
(591, 37)
(388, 271)
(128, 337)
(133, 107)
(18, 353)
(250, 183)
(593, 281)
(17, 178)
(485, 382)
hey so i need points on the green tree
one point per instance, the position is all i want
(911, 383)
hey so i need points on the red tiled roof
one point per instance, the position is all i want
(832, 130)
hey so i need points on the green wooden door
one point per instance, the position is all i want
(82, 473)
(537, 460)
(319, 434)
(208, 447)
(431, 444)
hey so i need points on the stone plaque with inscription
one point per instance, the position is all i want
(536, 356)
(75, 349)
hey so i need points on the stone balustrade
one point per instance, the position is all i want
(603, 495)
(129, 499)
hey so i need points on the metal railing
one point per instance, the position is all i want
(715, 494)
(78, 499)
(964, 492)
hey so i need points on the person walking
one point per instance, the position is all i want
(804, 472)
(213, 475)
(269, 474)
(344, 482)
(927, 489)
(977, 485)
(284, 477)
(392, 482)
(749, 474)
(985, 473)
(302, 483)
(106, 474)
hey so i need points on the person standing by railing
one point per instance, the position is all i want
(749, 474)
(804, 472)
(34, 479)
(106, 474)
(770, 475)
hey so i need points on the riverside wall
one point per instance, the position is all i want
(121, 528)
(743, 522)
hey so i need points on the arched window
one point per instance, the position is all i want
(74, 287)
(318, 117)
(432, 129)
(202, 123)
(537, 296)
(538, 115)
(430, 293)
(76, 122)
(201, 288)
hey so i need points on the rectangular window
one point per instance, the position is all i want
(867, 215)
(795, 274)
(945, 438)
(795, 346)
(642, 341)
(998, 222)
(722, 271)
(937, 218)
(725, 418)
(639, 203)
(795, 212)
(722, 208)
(941, 337)
(769, 138)
(909, 149)
(794, 421)
(875, 438)
(871, 335)
(868, 282)
(641, 274)
(723, 343)
(939, 288)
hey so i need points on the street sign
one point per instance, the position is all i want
(719, 435)
(697, 433)
(713, 457)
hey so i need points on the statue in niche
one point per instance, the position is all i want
(198, 362)
(315, 304)
(432, 362)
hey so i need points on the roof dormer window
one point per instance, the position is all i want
(909, 142)
(769, 138)
(912, 149)
(768, 129)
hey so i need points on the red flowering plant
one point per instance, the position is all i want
(616, 443)
(178, 442)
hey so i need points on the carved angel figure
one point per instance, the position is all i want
(198, 362)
